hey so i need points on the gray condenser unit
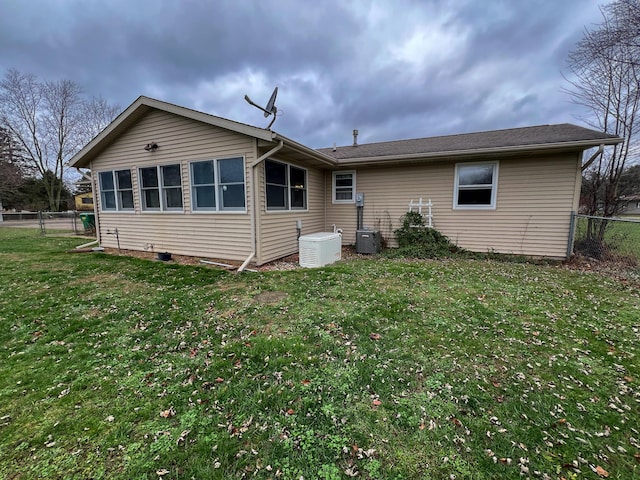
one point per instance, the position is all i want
(368, 241)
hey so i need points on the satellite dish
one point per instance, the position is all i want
(270, 109)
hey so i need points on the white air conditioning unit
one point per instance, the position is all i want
(319, 249)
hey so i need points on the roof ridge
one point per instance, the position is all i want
(144, 97)
(482, 132)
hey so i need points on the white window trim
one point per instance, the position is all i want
(163, 208)
(333, 186)
(494, 187)
(288, 208)
(216, 187)
(116, 191)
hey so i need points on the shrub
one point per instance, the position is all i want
(416, 240)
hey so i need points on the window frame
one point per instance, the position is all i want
(334, 187)
(288, 188)
(494, 186)
(217, 186)
(116, 191)
(161, 189)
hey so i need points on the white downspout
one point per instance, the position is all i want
(254, 201)
(593, 157)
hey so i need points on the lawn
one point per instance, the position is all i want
(123, 368)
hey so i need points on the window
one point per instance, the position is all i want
(475, 186)
(218, 185)
(116, 190)
(161, 188)
(87, 200)
(344, 187)
(231, 184)
(286, 186)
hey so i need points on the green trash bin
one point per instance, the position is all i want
(88, 222)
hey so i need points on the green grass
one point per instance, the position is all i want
(621, 239)
(115, 367)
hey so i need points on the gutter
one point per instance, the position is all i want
(254, 202)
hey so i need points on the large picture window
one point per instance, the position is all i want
(476, 185)
(218, 185)
(161, 188)
(116, 190)
(344, 187)
(286, 186)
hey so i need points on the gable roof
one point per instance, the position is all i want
(143, 105)
(543, 137)
(525, 140)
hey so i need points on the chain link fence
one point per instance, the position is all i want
(78, 223)
(611, 240)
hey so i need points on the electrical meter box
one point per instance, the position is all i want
(359, 199)
(319, 249)
(368, 241)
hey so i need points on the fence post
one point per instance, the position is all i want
(41, 223)
(572, 234)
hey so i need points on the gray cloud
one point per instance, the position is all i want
(391, 69)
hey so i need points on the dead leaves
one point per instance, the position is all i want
(600, 471)
(168, 413)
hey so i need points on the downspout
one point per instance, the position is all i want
(95, 205)
(254, 201)
(593, 157)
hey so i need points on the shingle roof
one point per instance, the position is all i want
(538, 136)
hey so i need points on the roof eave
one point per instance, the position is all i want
(577, 145)
(300, 148)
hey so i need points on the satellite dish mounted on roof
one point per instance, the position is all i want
(270, 109)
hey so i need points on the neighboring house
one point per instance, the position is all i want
(178, 180)
(630, 205)
(83, 201)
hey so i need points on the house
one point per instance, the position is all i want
(83, 201)
(630, 205)
(173, 179)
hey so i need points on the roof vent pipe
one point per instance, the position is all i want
(355, 137)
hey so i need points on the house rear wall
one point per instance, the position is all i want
(535, 198)
(180, 140)
(277, 229)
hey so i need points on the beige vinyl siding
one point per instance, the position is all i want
(181, 140)
(278, 234)
(535, 198)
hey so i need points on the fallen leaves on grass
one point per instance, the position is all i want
(168, 413)
(600, 471)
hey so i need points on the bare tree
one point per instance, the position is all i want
(605, 71)
(51, 121)
(14, 170)
(627, 32)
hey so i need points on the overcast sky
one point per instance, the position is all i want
(393, 69)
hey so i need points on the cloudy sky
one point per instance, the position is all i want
(393, 69)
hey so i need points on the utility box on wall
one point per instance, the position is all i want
(368, 241)
(319, 249)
